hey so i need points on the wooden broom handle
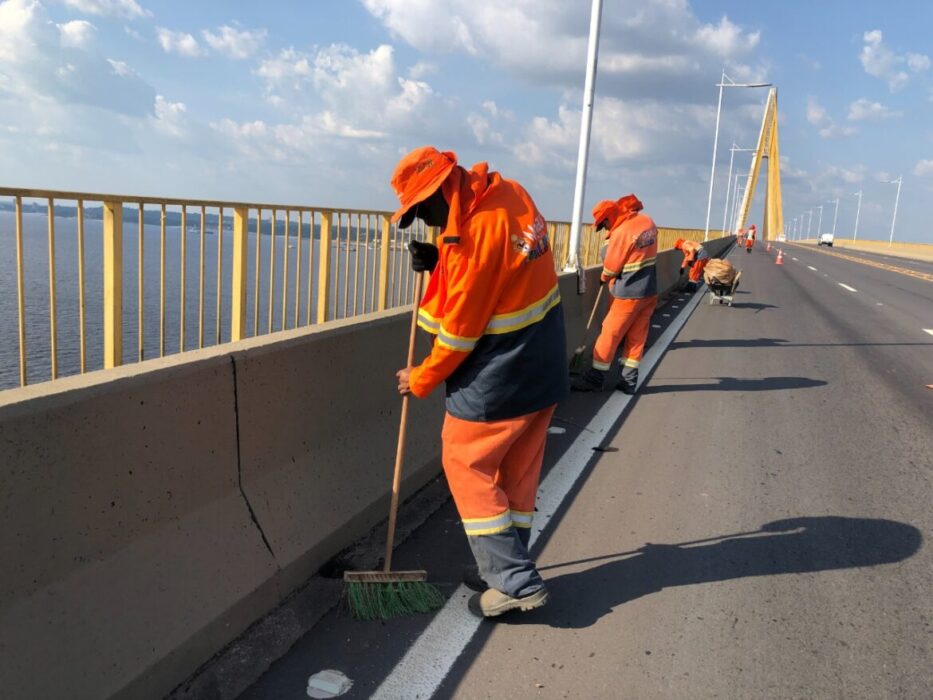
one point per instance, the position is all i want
(402, 430)
(599, 295)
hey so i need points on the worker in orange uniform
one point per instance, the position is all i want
(629, 270)
(494, 308)
(695, 257)
(750, 238)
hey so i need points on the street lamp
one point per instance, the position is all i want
(819, 226)
(809, 221)
(857, 212)
(835, 213)
(899, 181)
(721, 85)
(735, 201)
(732, 151)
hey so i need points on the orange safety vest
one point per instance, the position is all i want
(631, 256)
(493, 304)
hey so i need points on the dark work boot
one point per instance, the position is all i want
(472, 579)
(628, 382)
(591, 380)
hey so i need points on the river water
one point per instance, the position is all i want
(354, 274)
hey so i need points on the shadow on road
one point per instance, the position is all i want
(758, 307)
(778, 343)
(791, 546)
(732, 384)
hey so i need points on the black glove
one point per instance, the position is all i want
(423, 256)
(682, 272)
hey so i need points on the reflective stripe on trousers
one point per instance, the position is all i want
(493, 470)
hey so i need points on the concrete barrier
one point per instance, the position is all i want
(128, 548)
(149, 514)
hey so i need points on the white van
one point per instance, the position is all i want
(826, 239)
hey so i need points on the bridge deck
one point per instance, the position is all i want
(801, 415)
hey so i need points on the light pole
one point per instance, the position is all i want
(725, 212)
(835, 213)
(809, 221)
(735, 201)
(586, 121)
(899, 181)
(857, 212)
(712, 175)
(819, 226)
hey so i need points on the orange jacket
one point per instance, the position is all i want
(629, 265)
(693, 251)
(493, 303)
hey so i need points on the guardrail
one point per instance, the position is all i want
(204, 272)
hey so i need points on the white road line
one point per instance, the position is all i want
(928, 330)
(428, 661)
(793, 258)
(812, 268)
(845, 286)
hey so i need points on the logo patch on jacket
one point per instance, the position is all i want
(533, 243)
(647, 238)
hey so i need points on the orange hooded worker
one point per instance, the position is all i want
(695, 257)
(629, 270)
(750, 238)
(494, 308)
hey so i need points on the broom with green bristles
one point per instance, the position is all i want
(379, 595)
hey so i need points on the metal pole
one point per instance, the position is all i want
(712, 173)
(725, 210)
(897, 199)
(857, 212)
(819, 226)
(835, 216)
(809, 222)
(586, 122)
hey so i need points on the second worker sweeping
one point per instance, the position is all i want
(629, 270)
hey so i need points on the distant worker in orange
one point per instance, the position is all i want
(750, 238)
(695, 257)
(494, 308)
(629, 270)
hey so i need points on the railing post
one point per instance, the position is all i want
(384, 262)
(238, 291)
(113, 284)
(323, 282)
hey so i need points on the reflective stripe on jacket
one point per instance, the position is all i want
(493, 305)
(629, 266)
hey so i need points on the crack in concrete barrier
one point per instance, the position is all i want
(239, 465)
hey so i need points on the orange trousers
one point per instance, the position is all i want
(493, 469)
(696, 272)
(628, 319)
(749, 244)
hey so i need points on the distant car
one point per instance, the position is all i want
(826, 239)
(782, 238)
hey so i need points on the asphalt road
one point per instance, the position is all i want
(800, 417)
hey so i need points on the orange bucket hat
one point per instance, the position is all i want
(679, 243)
(606, 209)
(629, 204)
(418, 175)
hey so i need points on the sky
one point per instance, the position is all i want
(312, 102)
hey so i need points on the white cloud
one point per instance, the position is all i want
(169, 116)
(121, 68)
(233, 42)
(178, 42)
(127, 9)
(77, 34)
(918, 62)
(662, 48)
(864, 108)
(826, 125)
(881, 62)
(41, 65)
(924, 168)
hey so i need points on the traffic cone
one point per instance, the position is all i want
(780, 258)
(768, 247)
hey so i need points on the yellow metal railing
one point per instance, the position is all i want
(269, 267)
